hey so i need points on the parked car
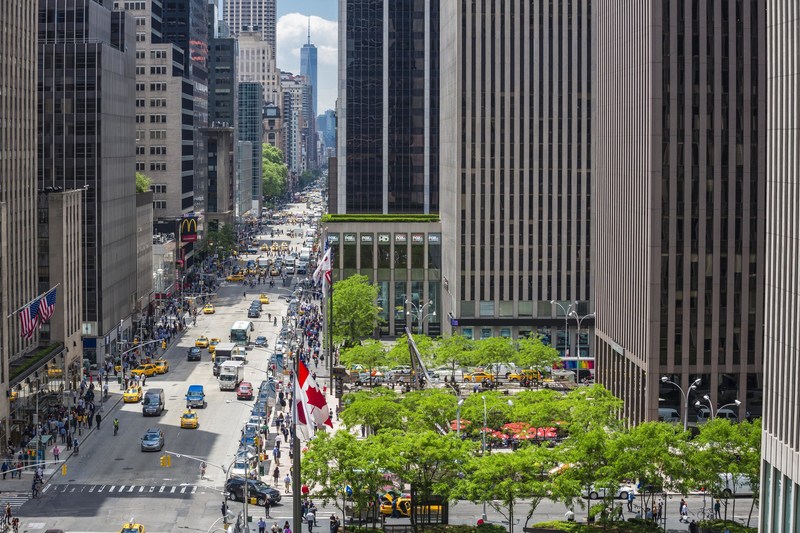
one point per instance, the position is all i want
(621, 493)
(259, 490)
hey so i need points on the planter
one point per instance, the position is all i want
(541, 530)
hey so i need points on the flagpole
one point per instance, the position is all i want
(330, 336)
(45, 293)
(297, 515)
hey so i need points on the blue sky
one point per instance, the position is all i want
(291, 36)
(327, 9)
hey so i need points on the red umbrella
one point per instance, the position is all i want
(516, 427)
(454, 424)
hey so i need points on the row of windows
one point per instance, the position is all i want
(155, 135)
(154, 119)
(159, 204)
(159, 188)
(159, 70)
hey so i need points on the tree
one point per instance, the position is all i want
(426, 460)
(308, 177)
(498, 411)
(494, 351)
(355, 313)
(503, 479)
(370, 354)
(539, 408)
(455, 351)
(431, 409)
(273, 171)
(142, 182)
(533, 353)
(376, 410)
(223, 238)
(334, 462)
(399, 352)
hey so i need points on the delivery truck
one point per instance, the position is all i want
(230, 375)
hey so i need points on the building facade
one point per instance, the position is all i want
(388, 152)
(251, 100)
(779, 504)
(221, 175)
(678, 101)
(516, 212)
(252, 16)
(308, 68)
(295, 92)
(18, 284)
(273, 126)
(257, 64)
(87, 140)
(223, 93)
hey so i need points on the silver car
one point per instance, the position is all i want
(153, 440)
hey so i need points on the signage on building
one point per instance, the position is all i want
(188, 229)
(333, 238)
(367, 238)
(417, 238)
(384, 238)
(401, 237)
(349, 238)
(434, 238)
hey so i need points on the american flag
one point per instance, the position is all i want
(29, 318)
(47, 306)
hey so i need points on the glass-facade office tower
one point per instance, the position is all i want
(780, 446)
(87, 140)
(678, 102)
(516, 205)
(251, 101)
(388, 151)
(308, 68)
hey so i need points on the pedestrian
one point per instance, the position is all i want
(224, 509)
(98, 418)
(8, 513)
(5, 469)
(310, 517)
(630, 501)
(717, 508)
(334, 524)
(287, 482)
(202, 470)
(684, 512)
(276, 474)
(56, 452)
(276, 454)
(262, 525)
(286, 528)
(267, 504)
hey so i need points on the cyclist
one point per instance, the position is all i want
(116, 426)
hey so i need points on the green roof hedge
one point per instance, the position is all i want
(395, 217)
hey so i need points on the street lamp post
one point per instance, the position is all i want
(419, 310)
(579, 319)
(685, 395)
(458, 417)
(698, 403)
(567, 312)
(483, 443)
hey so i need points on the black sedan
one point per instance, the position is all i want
(259, 490)
(194, 354)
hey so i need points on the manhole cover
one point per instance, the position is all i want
(128, 468)
(119, 458)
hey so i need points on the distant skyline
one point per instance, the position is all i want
(292, 35)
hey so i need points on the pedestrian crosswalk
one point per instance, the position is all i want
(16, 499)
(128, 490)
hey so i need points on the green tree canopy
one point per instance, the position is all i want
(378, 409)
(142, 182)
(222, 239)
(454, 352)
(355, 313)
(399, 355)
(370, 354)
(533, 353)
(494, 351)
(430, 409)
(274, 171)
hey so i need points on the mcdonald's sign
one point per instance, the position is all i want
(188, 229)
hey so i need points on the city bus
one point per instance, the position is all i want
(240, 332)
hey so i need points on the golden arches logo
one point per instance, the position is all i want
(189, 229)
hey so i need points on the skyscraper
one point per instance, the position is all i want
(251, 101)
(18, 183)
(516, 209)
(780, 446)
(678, 93)
(388, 153)
(252, 15)
(308, 67)
(86, 119)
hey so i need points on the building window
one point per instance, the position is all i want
(140, 119)
(158, 166)
(140, 102)
(158, 86)
(160, 204)
(140, 150)
(141, 37)
(158, 102)
(159, 188)
(140, 54)
(139, 167)
(158, 70)
(140, 86)
(158, 150)
(158, 119)
(487, 308)
(486, 333)
(140, 71)
(158, 134)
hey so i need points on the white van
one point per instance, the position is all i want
(735, 485)
(668, 414)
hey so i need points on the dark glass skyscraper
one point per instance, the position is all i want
(389, 114)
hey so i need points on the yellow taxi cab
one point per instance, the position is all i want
(201, 342)
(147, 369)
(54, 372)
(530, 375)
(252, 271)
(478, 377)
(399, 505)
(189, 420)
(132, 395)
(284, 246)
(212, 344)
(264, 299)
(132, 527)
(274, 271)
(235, 277)
(275, 247)
(208, 309)
(162, 366)
(264, 248)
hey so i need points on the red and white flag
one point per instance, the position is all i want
(324, 269)
(311, 405)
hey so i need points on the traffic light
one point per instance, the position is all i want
(163, 345)
(64, 469)
(166, 461)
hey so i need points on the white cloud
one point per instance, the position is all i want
(292, 34)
